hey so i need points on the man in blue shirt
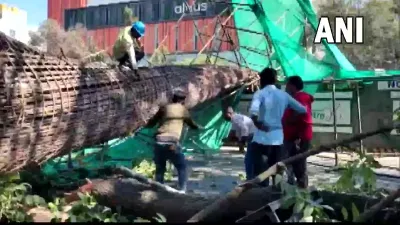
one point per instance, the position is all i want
(266, 110)
(244, 129)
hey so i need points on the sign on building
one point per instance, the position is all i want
(190, 8)
(389, 85)
(322, 112)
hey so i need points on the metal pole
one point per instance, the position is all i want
(218, 23)
(305, 44)
(334, 119)
(212, 37)
(359, 116)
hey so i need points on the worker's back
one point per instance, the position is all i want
(124, 40)
(172, 119)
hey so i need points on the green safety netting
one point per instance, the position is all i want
(276, 27)
(271, 32)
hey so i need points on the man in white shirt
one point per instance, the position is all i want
(244, 129)
(266, 110)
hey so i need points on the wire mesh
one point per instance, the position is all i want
(52, 105)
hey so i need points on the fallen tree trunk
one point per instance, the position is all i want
(146, 199)
(139, 196)
(51, 106)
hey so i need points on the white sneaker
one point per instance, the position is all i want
(182, 192)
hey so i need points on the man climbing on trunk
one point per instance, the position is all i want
(267, 108)
(244, 129)
(171, 119)
(297, 131)
(128, 48)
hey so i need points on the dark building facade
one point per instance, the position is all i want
(104, 18)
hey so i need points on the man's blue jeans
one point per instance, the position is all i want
(162, 153)
(248, 162)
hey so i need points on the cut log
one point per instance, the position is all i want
(51, 106)
(146, 199)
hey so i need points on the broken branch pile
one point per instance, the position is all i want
(51, 106)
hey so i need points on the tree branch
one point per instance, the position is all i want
(368, 214)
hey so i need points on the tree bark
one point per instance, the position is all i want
(146, 200)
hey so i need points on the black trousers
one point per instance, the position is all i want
(244, 142)
(264, 156)
(298, 169)
(124, 60)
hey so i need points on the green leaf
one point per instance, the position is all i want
(81, 196)
(20, 187)
(18, 198)
(73, 219)
(308, 211)
(37, 200)
(298, 207)
(29, 200)
(354, 211)
(52, 207)
(288, 202)
(19, 216)
(278, 179)
(345, 213)
(308, 219)
(290, 190)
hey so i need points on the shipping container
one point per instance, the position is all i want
(148, 11)
(190, 35)
(105, 2)
(181, 38)
(56, 8)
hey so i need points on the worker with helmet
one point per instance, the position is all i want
(128, 48)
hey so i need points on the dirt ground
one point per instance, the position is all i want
(219, 173)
